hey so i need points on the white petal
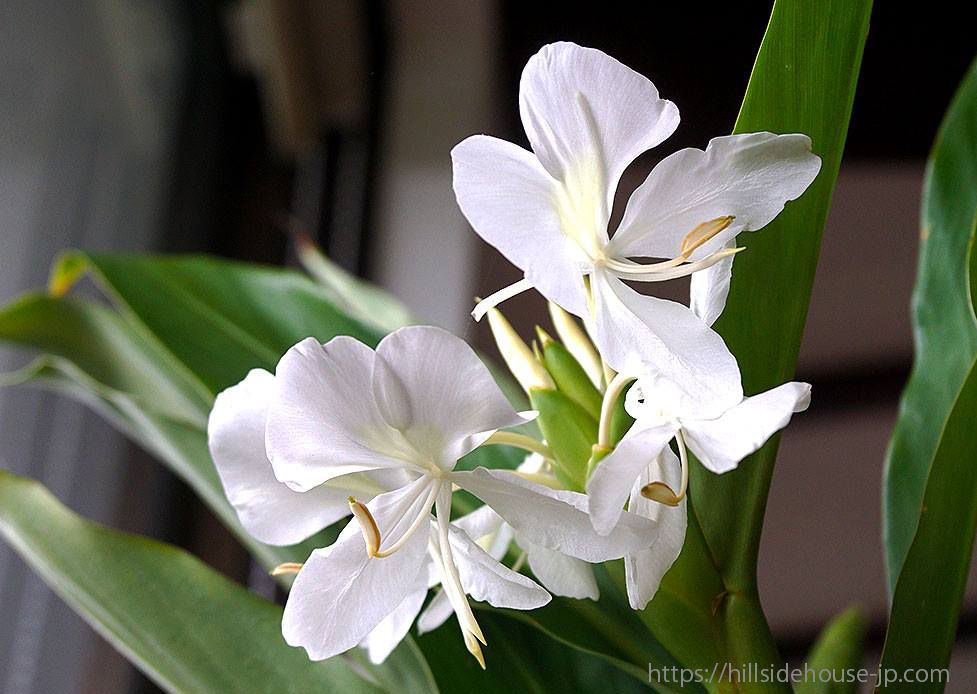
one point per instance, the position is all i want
(268, 510)
(560, 574)
(510, 201)
(721, 443)
(611, 483)
(710, 287)
(643, 571)
(587, 117)
(555, 519)
(322, 420)
(435, 614)
(487, 580)
(640, 334)
(341, 594)
(749, 176)
(486, 527)
(454, 403)
(386, 635)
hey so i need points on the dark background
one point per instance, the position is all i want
(202, 126)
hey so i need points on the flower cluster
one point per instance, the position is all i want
(344, 430)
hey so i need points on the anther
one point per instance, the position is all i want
(368, 526)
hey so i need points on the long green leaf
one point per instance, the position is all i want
(929, 591)
(944, 327)
(803, 81)
(188, 628)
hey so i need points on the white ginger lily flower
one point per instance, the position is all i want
(341, 419)
(587, 118)
(719, 436)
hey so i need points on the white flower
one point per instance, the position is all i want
(720, 437)
(341, 419)
(588, 117)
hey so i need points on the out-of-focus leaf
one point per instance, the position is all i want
(219, 318)
(838, 650)
(929, 590)
(944, 327)
(188, 628)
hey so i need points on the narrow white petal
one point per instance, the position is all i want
(510, 201)
(749, 176)
(436, 613)
(386, 635)
(710, 287)
(643, 571)
(721, 443)
(555, 519)
(561, 575)
(611, 483)
(485, 579)
(587, 117)
(268, 510)
(341, 594)
(640, 334)
(454, 402)
(322, 419)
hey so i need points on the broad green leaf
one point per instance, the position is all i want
(926, 601)
(836, 657)
(803, 82)
(188, 628)
(944, 327)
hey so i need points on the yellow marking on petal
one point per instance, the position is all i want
(289, 568)
(702, 233)
(368, 526)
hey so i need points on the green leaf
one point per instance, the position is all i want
(188, 628)
(926, 602)
(838, 650)
(218, 318)
(804, 82)
(944, 327)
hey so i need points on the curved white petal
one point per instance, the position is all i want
(643, 571)
(721, 443)
(555, 519)
(485, 579)
(510, 201)
(587, 117)
(486, 527)
(748, 176)
(710, 287)
(342, 594)
(561, 575)
(268, 510)
(436, 613)
(322, 419)
(640, 334)
(386, 635)
(611, 483)
(445, 394)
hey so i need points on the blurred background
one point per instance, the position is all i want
(215, 126)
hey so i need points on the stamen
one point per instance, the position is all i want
(289, 568)
(420, 520)
(368, 526)
(496, 298)
(655, 273)
(702, 233)
(661, 492)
